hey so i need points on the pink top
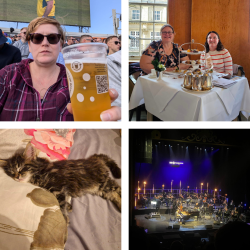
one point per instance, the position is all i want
(222, 61)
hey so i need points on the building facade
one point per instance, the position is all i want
(146, 17)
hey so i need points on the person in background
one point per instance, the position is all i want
(114, 44)
(98, 40)
(70, 41)
(46, 8)
(221, 58)
(120, 39)
(86, 39)
(22, 44)
(165, 50)
(9, 40)
(8, 53)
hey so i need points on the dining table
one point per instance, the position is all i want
(167, 99)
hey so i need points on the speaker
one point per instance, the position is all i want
(176, 226)
(11, 29)
(209, 227)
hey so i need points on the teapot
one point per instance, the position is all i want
(207, 83)
(196, 82)
(188, 80)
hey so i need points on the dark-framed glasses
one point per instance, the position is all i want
(116, 42)
(37, 38)
(167, 33)
(89, 39)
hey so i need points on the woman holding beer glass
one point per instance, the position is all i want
(221, 58)
(37, 90)
(165, 50)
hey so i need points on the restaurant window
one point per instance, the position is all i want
(134, 39)
(146, 17)
(135, 15)
(157, 15)
(155, 36)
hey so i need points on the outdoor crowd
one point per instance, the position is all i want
(29, 55)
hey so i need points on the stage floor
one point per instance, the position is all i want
(166, 221)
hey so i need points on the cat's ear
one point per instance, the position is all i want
(30, 152)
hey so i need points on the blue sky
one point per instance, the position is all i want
(100, 17)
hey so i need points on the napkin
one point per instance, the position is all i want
(223, 83)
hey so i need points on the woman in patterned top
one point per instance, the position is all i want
(221, 58)
(165, 50)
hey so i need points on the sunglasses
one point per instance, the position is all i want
(116, 42)
(37, 38)
(91, 40)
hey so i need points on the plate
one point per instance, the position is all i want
(181, 72)
(196, 91)
(192, 53)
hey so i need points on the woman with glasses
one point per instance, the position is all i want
(221, 58)
(165, 50)
(37, 90)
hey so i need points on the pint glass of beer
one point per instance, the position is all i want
(87, 74)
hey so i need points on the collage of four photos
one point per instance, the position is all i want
(124, 124)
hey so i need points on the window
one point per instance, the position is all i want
(134, 39)
(157, 16)
(156, 36)
(135, 14)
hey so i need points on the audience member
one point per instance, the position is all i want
(176, 245)
(113, 44)
(233, 235)
(86, 39)
(22, 44)
(98, 40)
(70, 41)
(9, 40)
(8, 53)
(46, 8)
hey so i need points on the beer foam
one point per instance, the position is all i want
(87, 60)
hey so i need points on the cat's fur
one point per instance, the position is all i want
(67, 178)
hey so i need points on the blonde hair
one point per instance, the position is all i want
(34, 24)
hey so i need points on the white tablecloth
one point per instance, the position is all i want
(167, 100)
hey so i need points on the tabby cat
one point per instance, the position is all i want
(66, 178)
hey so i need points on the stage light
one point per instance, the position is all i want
(171, 146)
(159, 142)
(175, 163)
(227, 148)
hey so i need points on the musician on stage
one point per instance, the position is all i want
(225, 203)
(232, 203)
